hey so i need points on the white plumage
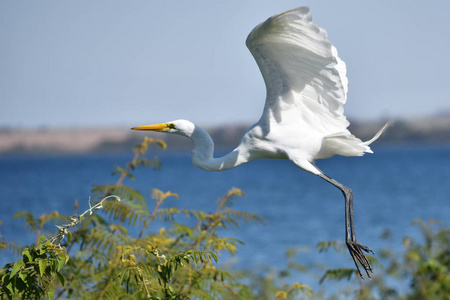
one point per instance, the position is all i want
(303, 118)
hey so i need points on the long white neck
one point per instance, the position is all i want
(203, 151)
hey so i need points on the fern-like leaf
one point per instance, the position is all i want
(160, 196)
(197, 256)
(338, 274)
(122, 191)
(167, 214)
(233, 217)
(324, 246)
(154, 163)
(227, 244)
(143, 147)
(125, 213)
(102, 241)
(231, 196)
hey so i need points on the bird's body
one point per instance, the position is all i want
(303, 118)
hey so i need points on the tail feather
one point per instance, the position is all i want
(346, 144)
(377, 135)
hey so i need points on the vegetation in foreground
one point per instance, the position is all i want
(112, 251)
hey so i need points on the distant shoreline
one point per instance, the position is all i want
(431, 130)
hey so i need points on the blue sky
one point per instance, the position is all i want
(127, 63)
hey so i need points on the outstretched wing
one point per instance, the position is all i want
(305, 79)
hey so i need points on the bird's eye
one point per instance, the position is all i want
(171, 126)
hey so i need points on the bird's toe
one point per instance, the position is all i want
(359, 257)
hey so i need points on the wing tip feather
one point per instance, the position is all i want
(302, 12)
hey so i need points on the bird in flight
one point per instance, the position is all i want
(303, 118)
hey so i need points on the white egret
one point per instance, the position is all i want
(303, 118)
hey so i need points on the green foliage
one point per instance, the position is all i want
(425, 264)
(32, 276)
(138, 248)
(3, 243)
(275, 283)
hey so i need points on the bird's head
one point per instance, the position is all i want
(181, 127)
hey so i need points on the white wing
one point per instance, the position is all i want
(304, 77)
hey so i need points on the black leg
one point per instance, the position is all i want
(353, 247)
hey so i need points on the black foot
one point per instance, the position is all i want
(358, 256)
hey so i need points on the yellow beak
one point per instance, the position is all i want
(153, 127)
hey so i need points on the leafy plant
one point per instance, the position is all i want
(33, 275)
(425, 263)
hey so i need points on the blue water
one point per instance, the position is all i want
(391, 188)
